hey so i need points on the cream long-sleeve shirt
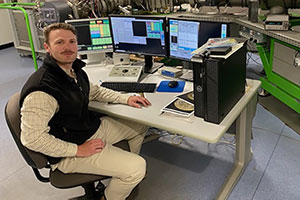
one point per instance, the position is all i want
(37, 110)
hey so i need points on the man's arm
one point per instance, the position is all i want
(98, 93)
(37, 110)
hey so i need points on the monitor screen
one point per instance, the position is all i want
(93, 35)
(144, 35)
(185, 36)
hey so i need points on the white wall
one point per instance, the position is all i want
(6, 34)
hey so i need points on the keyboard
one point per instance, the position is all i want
(130, 87)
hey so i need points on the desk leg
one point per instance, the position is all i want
(242, 152)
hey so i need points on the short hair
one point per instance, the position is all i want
(57, 26)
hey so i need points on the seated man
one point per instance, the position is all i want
(55, 119)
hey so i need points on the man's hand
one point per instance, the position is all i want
(137, 101)
(90, 147)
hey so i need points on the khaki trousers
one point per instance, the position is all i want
(127, 169)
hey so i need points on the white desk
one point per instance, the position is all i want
(196, 128)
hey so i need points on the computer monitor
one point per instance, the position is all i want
(143, 35)
(94, 38)
(187, 35)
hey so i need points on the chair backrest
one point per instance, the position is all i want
(13, 120)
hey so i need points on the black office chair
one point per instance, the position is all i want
(38, 161)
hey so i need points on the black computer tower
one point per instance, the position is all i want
(219, 83)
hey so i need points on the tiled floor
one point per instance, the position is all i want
(192, 171)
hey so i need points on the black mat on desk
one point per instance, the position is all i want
(290, 117)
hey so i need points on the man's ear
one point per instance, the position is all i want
(46, 46)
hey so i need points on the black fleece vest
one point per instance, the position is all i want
(73, 122)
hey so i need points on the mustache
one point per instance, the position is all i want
(67, 52)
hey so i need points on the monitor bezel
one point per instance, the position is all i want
(82, 52)
(192, 20)
(166, 54)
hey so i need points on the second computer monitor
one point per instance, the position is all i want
(93, 37)
(92, 34)
(145, 35)
(185, 36)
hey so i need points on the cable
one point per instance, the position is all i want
(295, 56)
(162, 133)
(228, 3)
(224, 141)
(284, 4)
(177, 136)
(259, 64)
(248, 59)
(267, 4)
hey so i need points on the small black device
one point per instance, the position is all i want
(219, 50)
(173, 84)
(130, 87)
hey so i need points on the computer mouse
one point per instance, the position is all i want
(173, 84)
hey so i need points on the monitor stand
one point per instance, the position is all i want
(121, 59)
(150, 67)
(148, 63)
(95, 58)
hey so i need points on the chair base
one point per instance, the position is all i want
(91, 192)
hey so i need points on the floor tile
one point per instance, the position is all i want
(290, 133)
(281, 178)
(180, 173)
(263, 145)
(9, 88)
(10, 157)
(24, 186)
(14, 66)
(267, 121)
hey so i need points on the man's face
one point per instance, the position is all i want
(62, 46)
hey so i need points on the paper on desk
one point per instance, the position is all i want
(188, 76)
(215, 43)
(179, 107)
(176, 116)
(189, 97)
